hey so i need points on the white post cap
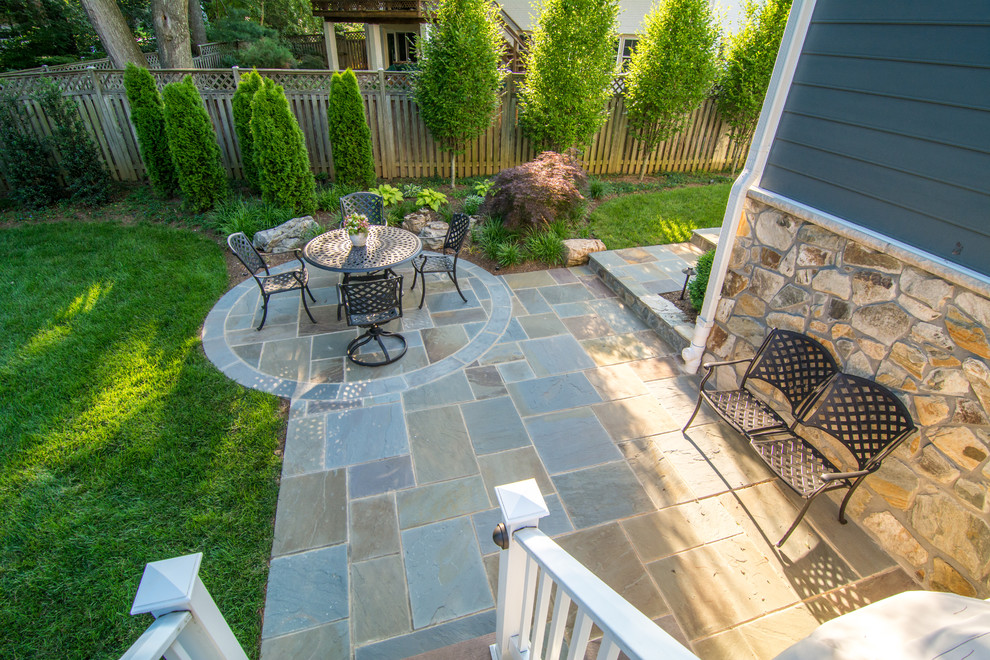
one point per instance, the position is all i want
(167, 585)
(521, 501)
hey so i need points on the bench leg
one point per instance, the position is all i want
(697, 407)
(804, 510)
(845, 500)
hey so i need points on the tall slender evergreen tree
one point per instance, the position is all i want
(457, 88)
(241, 106)
(672, 70)
(569, 70)
(280, 152)
(350, 137)
(193, 144)
(148, 117)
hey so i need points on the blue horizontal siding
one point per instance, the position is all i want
(887, 123)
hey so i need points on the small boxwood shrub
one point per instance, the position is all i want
(241, 106)
(280, 152)
(148, 117)
(350, 137)
(194, 148)
(541, 190)
(697, 286)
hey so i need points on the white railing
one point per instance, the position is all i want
(533, 570)
(188, 624)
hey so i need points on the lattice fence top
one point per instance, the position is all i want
(300, 82)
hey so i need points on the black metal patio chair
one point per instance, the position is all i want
(370, 302)
(446, 260)
(367, 204)
(270, 284)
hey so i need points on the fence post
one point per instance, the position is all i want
(237, 75)
(173, 585)
(522, 505)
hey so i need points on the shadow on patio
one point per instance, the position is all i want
(383, 531)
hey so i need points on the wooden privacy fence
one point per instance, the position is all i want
(403, 147)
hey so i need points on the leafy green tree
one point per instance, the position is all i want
(457, 88)
(148, 117)
(672, 70)
(749, 63)
(350, 137)
(86, 178)
(280, 152)
(193, 144)
(569, 70)
(249, 85)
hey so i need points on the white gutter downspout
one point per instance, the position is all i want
(766, 128)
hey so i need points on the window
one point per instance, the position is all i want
(626, 48)
(401, 47)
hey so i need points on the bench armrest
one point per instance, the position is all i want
(712, 365)
(835, 476)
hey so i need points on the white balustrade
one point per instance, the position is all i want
(188, 624)
(533, 570)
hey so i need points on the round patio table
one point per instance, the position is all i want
(386, 247)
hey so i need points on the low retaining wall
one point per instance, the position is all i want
(886, 316)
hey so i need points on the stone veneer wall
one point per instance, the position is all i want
(921, 335)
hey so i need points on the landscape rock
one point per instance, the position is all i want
(290, 235)
(416, 220)
(577, 251)
(433, 234)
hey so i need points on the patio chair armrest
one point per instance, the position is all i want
(299, 258)
(836, 476)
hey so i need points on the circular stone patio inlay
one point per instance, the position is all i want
(291, 357)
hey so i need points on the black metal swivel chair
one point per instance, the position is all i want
(370, 303)
(446, 261)
(367, 204)
(270, 284)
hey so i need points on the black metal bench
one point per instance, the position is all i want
(861, 415)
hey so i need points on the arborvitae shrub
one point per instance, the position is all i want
(148, 117)
(250, 84)
(26, 165)
(350, 137)
(193, 144)
(697, 286)
(280, 152)
(542, 190)
(86, 178)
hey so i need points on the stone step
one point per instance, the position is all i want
(706, 239)
(628, 279)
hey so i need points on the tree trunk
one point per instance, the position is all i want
(197, 30)
(453, 168)
(171, 20)
(116, 37)
(642, 168)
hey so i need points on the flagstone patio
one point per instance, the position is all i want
(383, 543)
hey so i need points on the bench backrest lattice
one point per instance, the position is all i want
(794, 363)
(863, 415)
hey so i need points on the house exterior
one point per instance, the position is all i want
(862, 218)
(391, 26)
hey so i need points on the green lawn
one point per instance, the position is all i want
(658, 218)
(120, 443)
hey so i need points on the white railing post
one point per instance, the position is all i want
(173, 585)
(522, 506)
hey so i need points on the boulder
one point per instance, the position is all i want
(287, 236)
(416, 220)
(577, 250)
(433, 235)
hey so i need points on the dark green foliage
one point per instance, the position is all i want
(24, 161)
(241, 106)
(328, 198)
(234, 215)
(472, 203)
(545, 245)
(749, 63)
(87, 181)
(237, 26)
(542, 190)
(697, 286)
(148, 117)
(280, 152)
(672, 70)
(267, 53)
(509, 254)
(457, 89)
(194, 148)
(569, 68)
(350, 137)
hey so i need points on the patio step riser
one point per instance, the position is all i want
(660, 315)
